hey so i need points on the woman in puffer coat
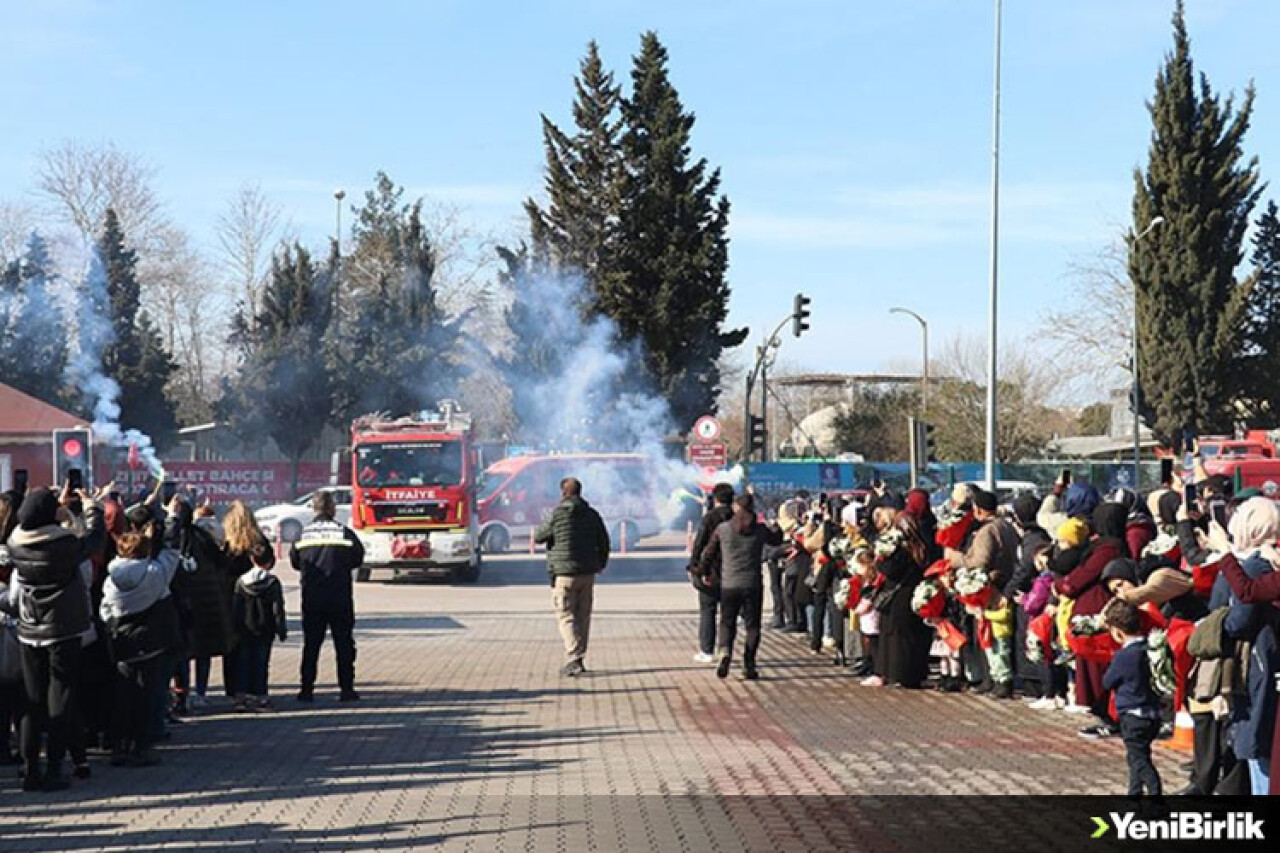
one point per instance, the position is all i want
(202, 596)
(142, 619)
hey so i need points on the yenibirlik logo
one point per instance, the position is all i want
(1183, 826)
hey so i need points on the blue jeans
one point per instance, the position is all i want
(1259, 778)
(253, 666)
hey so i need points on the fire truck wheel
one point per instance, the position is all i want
(362, 575)
(495, 540)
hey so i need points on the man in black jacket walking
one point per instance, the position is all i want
(325, 555)
(708, 596)
(735, 556)
(577, 550)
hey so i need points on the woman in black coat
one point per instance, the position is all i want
(904, 637)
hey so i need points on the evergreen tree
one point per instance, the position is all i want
(282, 388)
(135, 355)
(395, 350)
(33, 347)
(574, 232)
(1260, 356)
(666, 286)
(1191, 308)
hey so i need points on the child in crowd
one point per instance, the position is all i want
(258, 618)
(1137, 705)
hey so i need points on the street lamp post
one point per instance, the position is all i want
(924, 369)
(338, 195)
(992, 313)
(1133, 365)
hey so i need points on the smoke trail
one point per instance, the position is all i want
(577, 386)
(94, 333)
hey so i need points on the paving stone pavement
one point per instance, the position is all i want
(469, 739)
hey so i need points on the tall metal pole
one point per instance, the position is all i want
(764, 400)
(1133, 366)
(338, 196)
(993, 312)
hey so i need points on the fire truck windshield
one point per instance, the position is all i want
(435, 463)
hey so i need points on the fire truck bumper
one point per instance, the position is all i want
(436, 552)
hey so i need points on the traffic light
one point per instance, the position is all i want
(73, 449)
(928, 443)
(755, 434)
(800, 315)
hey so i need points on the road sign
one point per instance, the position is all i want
(709, 454)
(707, 429)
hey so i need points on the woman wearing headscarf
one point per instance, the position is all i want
(904, 637)
(1074, 500)
(1255, 528)
(918, 507)
(1084, 585)
(1139, 529)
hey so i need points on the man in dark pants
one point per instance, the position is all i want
(774, 555)
(734, 555)
(325, 555)
(709, 596)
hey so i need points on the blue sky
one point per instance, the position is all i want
(854, 137)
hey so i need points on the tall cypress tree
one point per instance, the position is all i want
(1259, 367)
(33, 347)
(574, 231)
(135, 356)
(282, 388)
(1191, 308)
(666, 286)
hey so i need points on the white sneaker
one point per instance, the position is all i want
(828, 642)
(1059, 703)
(703, 657)
(1073, 708)
(1045, 704)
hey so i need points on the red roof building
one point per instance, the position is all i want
(26, 436)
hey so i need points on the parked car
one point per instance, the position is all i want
(284, 522)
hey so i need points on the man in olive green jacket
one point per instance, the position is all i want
(577, 550)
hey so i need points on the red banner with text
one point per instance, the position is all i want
(255, 483)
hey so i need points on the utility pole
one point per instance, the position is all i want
(993, 308)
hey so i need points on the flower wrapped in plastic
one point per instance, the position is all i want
(1160, 657)
(1163, 545)
(928, 600)
(1039, 637)
(954, 525)
(887, 544)
(1035, 649)
(972, 586)
(1090, 640)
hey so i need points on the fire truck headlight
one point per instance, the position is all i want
(461, 548)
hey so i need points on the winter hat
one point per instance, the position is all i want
(1081, 500)
(1025, 508)
(39, 509)
(1073, 531)
(1121, 568)
(984, 500)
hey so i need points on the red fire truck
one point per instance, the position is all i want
(413, 496)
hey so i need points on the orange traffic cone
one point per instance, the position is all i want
(1184, 729)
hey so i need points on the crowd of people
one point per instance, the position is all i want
(1130, 611)
(113, 616)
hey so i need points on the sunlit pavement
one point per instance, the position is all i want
(468, 738)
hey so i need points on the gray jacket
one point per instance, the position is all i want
(735, 553)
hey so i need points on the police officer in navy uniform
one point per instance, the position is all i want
(326, 556)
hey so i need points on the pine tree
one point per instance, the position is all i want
(282, 388)
(396, 350)
(666, 287)
(135, 355)
(33, 348)
(573, 233)
(1259, 367)
(1191, 308)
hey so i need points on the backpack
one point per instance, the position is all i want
(259, 618)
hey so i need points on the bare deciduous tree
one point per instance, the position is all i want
(1026, 384)
(1092, 330)
(17, 221)
(78, 182)
(248, 230)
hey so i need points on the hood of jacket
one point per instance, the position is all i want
(133, 585)
(257, 581)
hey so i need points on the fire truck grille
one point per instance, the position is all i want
(417, 512)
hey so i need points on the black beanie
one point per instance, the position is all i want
(1121, 568)
(39, 509)
(984, 500)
